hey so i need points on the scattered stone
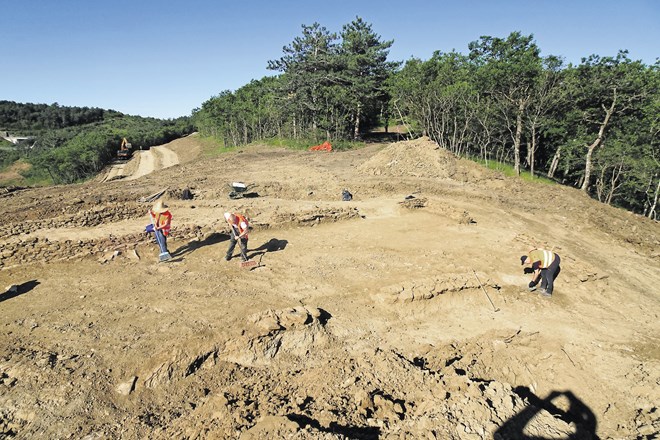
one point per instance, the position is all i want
(126, 388)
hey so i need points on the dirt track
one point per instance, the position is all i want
(145, 162)
(365, 319)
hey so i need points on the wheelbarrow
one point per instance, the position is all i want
(239, 190)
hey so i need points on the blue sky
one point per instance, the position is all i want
(164, 58)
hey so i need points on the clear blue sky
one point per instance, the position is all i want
(163, 58)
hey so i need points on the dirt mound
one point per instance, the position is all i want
(425, 159)
(401, 313)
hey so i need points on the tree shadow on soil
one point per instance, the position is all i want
(20, 290)
(211, 239)
(578, 413)
(352, 432)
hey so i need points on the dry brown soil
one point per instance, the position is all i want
(401, 314)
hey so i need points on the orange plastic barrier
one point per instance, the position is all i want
(325, 146)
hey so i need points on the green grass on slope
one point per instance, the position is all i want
(509, 171)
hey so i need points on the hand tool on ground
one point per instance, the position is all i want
(245, 263)
(496, 309)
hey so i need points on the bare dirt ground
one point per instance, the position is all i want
(145, 162)
(365, 319)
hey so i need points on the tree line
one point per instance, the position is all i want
(70, 144)
(593, 125)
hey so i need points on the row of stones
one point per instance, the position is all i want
(87, 218)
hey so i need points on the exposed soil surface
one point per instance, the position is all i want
(401, 314)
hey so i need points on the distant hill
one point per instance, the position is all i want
(70, 144)
(18, 118)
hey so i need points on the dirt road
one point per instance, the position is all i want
(364, 319)
(143, 162)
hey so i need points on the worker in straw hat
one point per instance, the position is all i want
(161, 220)
(239, 233)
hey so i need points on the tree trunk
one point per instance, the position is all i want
(614, 183)
(356, 129)
(516, 142)
(596, 143)
(555, 163)
(532, 149)
(655, 201)
(600, 185)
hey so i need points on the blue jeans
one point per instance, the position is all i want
(162, 241)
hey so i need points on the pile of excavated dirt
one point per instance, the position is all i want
(403, 313)
(425, 159)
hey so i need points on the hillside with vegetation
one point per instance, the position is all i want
(592, 126)
(70, 144)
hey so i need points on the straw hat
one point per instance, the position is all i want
(159, 207)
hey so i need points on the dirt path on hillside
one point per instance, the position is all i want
(146, 162)
(364, 319)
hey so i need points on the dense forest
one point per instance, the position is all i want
(69, 144)
(593, 126)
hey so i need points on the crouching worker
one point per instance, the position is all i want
(161, 220)
(239, 232)
(544, 266)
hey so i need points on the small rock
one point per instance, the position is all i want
(268, 324)
(126, 388)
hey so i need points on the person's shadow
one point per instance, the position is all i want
(578, 413)
(272, 245)
(20, 290)
(211, 239)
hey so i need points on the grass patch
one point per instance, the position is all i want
(21, 173)
(305, 144)
(212, 147)
(509, 171)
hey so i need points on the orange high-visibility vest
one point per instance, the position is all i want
(162, 221)
(241, 224)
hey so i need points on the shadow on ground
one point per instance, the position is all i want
(272, 245)
(577, 414)
(209, 240)
(19, 290)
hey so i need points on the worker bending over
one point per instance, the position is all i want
(239, 232)
(544, 266)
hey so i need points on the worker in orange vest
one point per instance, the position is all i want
(239, 233)
(161, 222)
